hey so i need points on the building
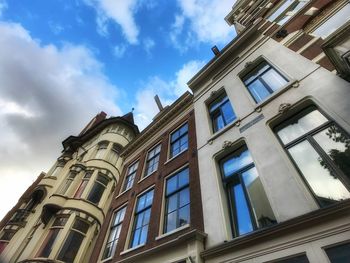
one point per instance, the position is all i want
(254, 167)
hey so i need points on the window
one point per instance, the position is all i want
(152, 160)
(7, 235)
(114, 233)
(73, 242)
(177, 201)
(179, 140)
(56, 171)
(114, 154)
(321, 152)
(51, 237)
(98, 188)
(250, 208)
(293, 259)
(142, 218)
(221, 112)
(263, 80)
(339, 254)
(83, 184)
(333, 23)
(286, 10)
(130, 177)
(64, 188)
(101, 150)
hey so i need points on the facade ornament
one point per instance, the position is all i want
(284, 107)
(248, 64)
(213, 93)
(227, 144)
(210, 142)
(295, 84)
(238, 123)
(258, 109)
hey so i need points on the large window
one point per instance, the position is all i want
(263, 80)
(286, 10)
(101, 150)
(179, 140)
(51, 237)
(142, 218)
(221, 112)
(98, 188)
(333, 23)
(321, 151)
(65, 186)
(250, 208)
(177, 201)
(339, 253)
(152, 160)
(73, 241)
(130, 177)
(114, 233)
(83, 184)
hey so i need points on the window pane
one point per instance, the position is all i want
(258, 199)
(300, 124)
(333, 23)
(339, 254)
(81, 189)
(258, 91)
(244, 224)
(237, 161)
(102, 179)
(96, 193)
(218, 122)
(81, 226)
(337, 145)
(171, 221)
(71, 247)
(273, 79)
(172, 203)
(184, 216)
(183, 177)
(325, 185)
(184, 197)
(47, 246)
(60, 221)
(280, 10)
(228, 113)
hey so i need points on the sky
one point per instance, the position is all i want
(64, 61)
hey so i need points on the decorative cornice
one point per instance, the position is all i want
(284, 107)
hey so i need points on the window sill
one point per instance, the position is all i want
(146, 176)
(173, 231)
(106, 259)
(125, 191)
(131, 249)
(172, 158)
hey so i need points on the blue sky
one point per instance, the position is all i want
(62, 62)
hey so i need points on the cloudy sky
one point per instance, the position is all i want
(62, 62)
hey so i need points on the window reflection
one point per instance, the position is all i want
(221, 112)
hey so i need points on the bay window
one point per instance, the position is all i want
(98, 189)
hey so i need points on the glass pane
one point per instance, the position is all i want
(300, 124)
(108, 251)
(258, 91)
(146, 217)
(171, 185)
(292, 11)
(149, 198)
(258, 199)
(244, 224)
(183, 177)
(96, 193)
(337, 145)
(71, 247)
(112, 234)
(218, 122)
(184, 197)
(65, 186)
(183, 129)
(184, 215)
(171, 221)
(333, 23)
(324, 184)
(143, 236)
(175, 135)
(103, 179)
(280, 10)
(237, 161)
(216, 103)
(48, 243)
(339, 254)
(81, 226)
(297, 259)
(80, 189)
(256, 72)
(228, 113)
(136, 238)
(273, 79)
(60, 221)
(175, 148)
(172, 203)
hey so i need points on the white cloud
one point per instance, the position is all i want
(121, 12)
(119, 51)
(47, 93)
(55, 28)
(206, 23)
(148, 45)
(3, 6)
(168, 92)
